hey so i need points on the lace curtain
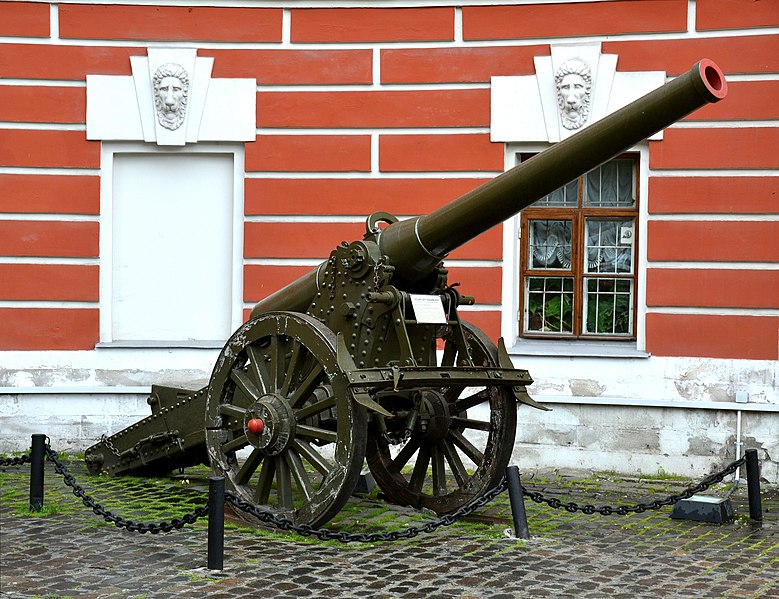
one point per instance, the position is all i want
(550, 242)
(607, 250)
(608, 243)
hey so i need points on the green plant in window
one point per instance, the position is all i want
(622, 319)
(555, 315)
(608, 313)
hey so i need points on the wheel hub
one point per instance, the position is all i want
(434, 418)
(269, 424)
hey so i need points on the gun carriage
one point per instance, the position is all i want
(367, 358)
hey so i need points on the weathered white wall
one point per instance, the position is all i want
(649, 415)
(72, 421)
(75, 397)
(635, 439)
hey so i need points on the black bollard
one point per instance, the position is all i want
(517, 501)
(753, 485)
(216, 522)
(37, 457)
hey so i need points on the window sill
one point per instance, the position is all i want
(577, 349)
(155, 344)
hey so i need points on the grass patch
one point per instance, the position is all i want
(586, 484)
(662, 475)
(49, 508)
(132, 498)
(195, 576)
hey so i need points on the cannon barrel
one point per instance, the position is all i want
(415, 246)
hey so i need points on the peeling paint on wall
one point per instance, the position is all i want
(100, 377)
(586, 388)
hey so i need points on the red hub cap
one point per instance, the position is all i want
(255, 426)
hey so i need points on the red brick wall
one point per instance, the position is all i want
(387, 108)
(713, 279)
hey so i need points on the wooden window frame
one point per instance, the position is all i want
(578, 217)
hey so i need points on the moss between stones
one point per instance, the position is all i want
(164, 498)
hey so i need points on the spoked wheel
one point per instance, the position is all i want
(283, 427)
(460, 443)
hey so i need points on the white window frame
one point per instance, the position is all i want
(510, 315)
(109, 153)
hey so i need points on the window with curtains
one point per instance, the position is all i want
(578, 254)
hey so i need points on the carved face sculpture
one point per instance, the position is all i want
(171, 88)
(574, 82)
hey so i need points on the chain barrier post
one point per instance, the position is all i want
(518, 514)
(753, 485)
(216, 522)
(37, 457)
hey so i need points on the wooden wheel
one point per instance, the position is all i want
(282, 426)
(460, 443)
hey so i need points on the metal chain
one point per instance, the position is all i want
(408, 533)
(23, 459)
(119, 521)
(107, 442)
(345, 537)
(638, 508)
(379, 266)
(325, 534)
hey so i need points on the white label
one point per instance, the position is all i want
(706, 499)
(428, 308)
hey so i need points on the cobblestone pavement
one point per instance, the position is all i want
(66, 551)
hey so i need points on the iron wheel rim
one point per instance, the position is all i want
(440, 479)
(286, 363)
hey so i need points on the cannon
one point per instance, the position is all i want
(366, 357)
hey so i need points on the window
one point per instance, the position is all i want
(578, 255)
(171, 242)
